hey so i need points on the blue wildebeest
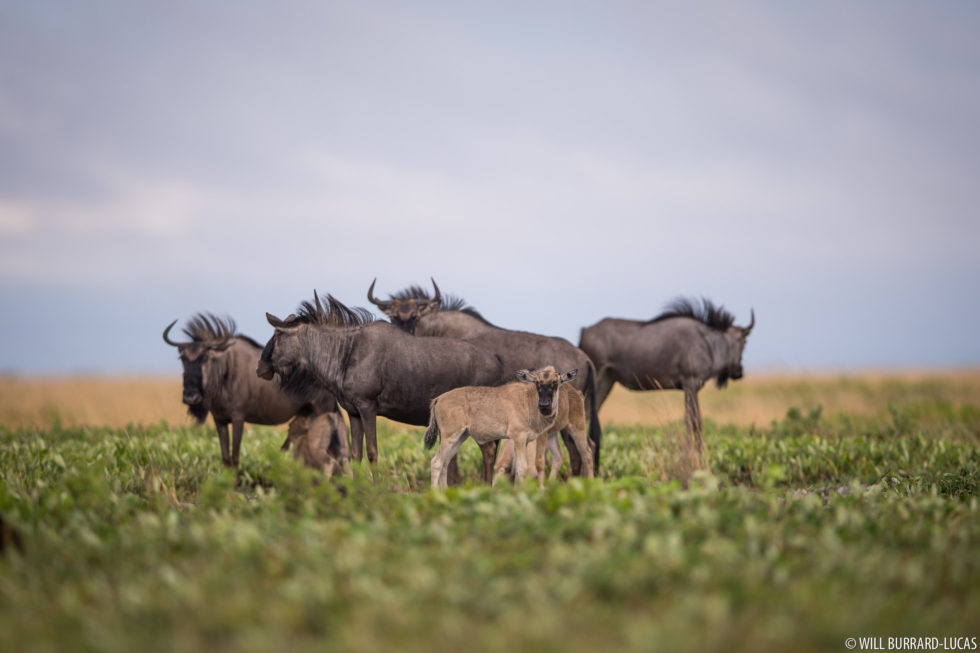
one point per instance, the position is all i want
(219, 377)
(522, 412)
(373, 368)
(682, 348)
(415, 311)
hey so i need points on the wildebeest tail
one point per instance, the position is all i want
(432, 433)
(595, 430)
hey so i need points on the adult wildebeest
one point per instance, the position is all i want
(681, 348)
(373, 368)
(219, 377)
(415, 311)
(521, 411)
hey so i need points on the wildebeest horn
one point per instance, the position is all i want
(437, 300)
(371, 298)
(166, 336)
(751, 322)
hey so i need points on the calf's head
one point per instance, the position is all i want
(547, 382)
(211, 339)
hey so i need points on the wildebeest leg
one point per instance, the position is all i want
(555, 456)
(505, 460)
(440, 462)
(574, 455)
(369, 421)
(603, 385)
(453, 477)
(520, 456)
(356, 437)
(223, 441)
(489, 451)
(237, 427)
(581, 443)
(692, 414)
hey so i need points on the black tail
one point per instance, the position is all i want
(432, 433)
(595, 430)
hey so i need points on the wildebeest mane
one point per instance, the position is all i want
(449, 301)
(334, 314)
(204, 327)
(706, 313)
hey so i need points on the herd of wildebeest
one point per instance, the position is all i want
(439, 363)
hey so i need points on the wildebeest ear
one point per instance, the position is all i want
(424, 308)
(279, 324)
(525, 376)
(568, 376)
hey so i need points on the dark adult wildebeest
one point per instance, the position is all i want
(415, 311)
(373, 368)
(219, 377)
(679, 349)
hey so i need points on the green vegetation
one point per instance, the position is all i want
(808, 531)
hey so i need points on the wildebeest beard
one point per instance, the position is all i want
(194, 379)
(722, 379)
(198, 411)
(302, 385)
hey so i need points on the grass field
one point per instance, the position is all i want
(835, 507)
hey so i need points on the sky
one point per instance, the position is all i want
(553, 163)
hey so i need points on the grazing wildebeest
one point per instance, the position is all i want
(373, 368)
(681, 348)
(219, 377)
(416, 312)
(571, 415)
(521, 411)
(319, 441)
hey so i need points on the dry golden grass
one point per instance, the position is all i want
(758, 399)
(90, 401)
(761, 398)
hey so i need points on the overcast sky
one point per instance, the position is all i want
(552, 162)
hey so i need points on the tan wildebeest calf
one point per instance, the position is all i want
(320, 442)
(571, 415)
(519, 411)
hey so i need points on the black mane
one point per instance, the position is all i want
(204, 327)
(448, 302)
(334, 314)
(707, 313)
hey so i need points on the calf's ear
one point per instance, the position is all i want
(525, 376)
(568, 376)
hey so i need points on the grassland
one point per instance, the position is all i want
(855, 512)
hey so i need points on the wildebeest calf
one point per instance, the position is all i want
(319, 441)
(519, 411)
(570, 416)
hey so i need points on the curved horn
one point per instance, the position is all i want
(751, 322)
(166, 335)
(371, 298)
(437, 300)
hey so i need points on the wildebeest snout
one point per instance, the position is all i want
(192, 397)
(736, 372)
